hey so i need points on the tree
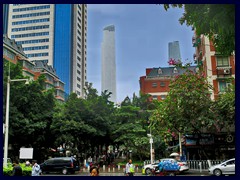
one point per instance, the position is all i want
(30, 111)
(217, 21)
(225, 105)
(187, 108)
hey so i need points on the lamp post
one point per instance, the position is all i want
(7, 116)
(151, 142)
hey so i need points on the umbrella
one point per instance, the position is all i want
(174, 154)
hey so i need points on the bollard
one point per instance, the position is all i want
(103, 168)
(109, 169)
(137, 169)
(118, 168)
(113, 169)
(88, 168)
(200, 166)
(209, 163)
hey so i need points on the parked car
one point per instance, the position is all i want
(147, 169)
(226, 167)
(60, 164)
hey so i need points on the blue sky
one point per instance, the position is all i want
(142, 34)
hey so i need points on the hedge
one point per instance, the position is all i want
(8, 171)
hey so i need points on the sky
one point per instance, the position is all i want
(142, 34)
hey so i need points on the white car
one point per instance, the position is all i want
(226, 167)
(148, 168)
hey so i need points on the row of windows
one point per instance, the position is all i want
(37, 54)
(35, 48)
(33, 41)
(30, 35)
(30, 28)
(8, 53)
(31, 21)
(162, 84)
(31, 8)
(154, 97)
(31, 15)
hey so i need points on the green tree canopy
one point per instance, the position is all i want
(217, 21)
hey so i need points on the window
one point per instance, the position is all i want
(31, 21)
(159, 71)
(175, 70)
(78, 85)
(30, 28)
(31, 15)
(30, 35)
(33, 41)
(163, 97)
(31, 8)
(223, 86)
(154, 84)
(154, 97)
(162, 84)
(78, 72)
(222, 61)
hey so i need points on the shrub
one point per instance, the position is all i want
(8, 171)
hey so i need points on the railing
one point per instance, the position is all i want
(196, 164)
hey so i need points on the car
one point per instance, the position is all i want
(183, 165)
(226, 167)
(60, 164)
(147, 169)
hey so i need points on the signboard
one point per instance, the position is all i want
(26, 153)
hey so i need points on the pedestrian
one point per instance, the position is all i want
(36, 170)
(129, 168)
(94, 171)
(17, 170)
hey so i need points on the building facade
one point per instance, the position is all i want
(55, 34)
(174, 50)
(156, 81)
(13, 53)
(219, 69)
(108, 62)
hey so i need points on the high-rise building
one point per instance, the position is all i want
(174, 51)
(5, 18)
(109, 62)
(56, 34)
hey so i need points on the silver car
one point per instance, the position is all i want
(226, 167)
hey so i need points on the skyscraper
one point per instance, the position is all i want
(56, 34)
(174, 51)
(109, 62)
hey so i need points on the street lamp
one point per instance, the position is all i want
(7, 116)
(151, 142)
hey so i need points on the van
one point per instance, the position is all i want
(64, 165)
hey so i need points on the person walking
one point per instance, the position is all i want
(36, 170)
(129, 168)
(17, 170)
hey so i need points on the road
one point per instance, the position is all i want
(188, 173)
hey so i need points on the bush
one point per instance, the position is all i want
(8, 171)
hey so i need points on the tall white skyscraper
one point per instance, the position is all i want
(109, 62)
(56, 34)
(174, 51)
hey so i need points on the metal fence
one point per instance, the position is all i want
(196, 164)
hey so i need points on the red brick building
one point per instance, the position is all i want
(156, 81)
(218, 69)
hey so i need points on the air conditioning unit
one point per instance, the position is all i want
(226, 71)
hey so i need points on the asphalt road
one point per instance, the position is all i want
(188, 173)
